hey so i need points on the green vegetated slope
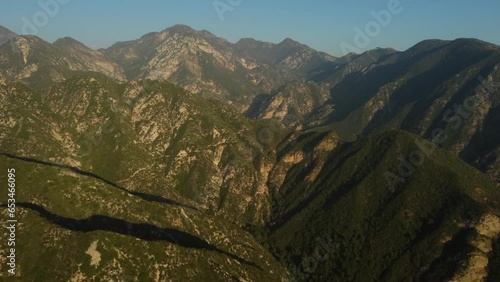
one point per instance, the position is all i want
(143, 158)
(348, 224)
(495, 261)
(75, 227)
(206, 64)
(448, 85)
(150, 136)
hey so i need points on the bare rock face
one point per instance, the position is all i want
(203, 63)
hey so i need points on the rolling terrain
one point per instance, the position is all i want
(181, 156)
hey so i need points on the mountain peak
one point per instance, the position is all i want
(474, 42)
(6, 35)
(180, 28)
(289, 41)
(68, 42)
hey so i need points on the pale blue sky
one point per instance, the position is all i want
(321, 24)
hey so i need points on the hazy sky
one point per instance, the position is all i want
(321, 24)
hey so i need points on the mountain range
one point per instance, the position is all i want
(181, 156)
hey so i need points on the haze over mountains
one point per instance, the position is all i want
(252, 161)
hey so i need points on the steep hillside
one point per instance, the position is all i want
(196, 149)
(180, 156)
(448, 86)
(359, 213)
(195, 60)
(308, 100)
(78, 227)
(289, 104)
(203, 63)
(39, 63)
(85, 58)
